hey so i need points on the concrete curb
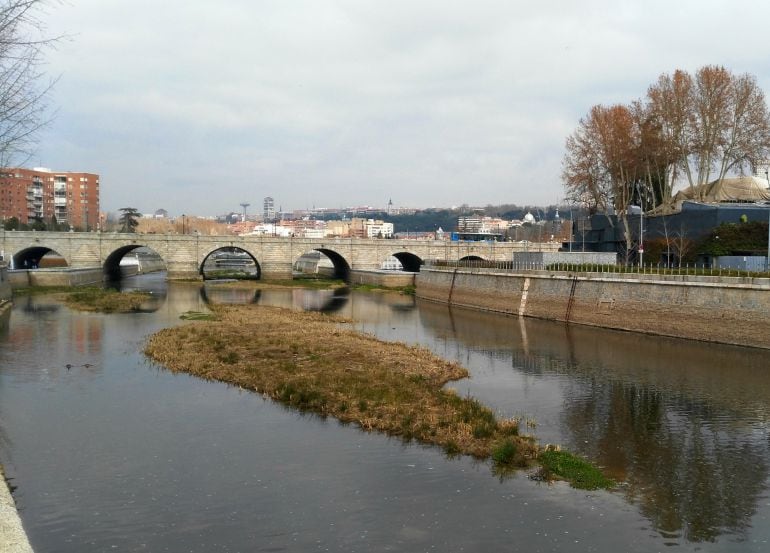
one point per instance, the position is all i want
(13, 539)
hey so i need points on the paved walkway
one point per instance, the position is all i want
(13, 539)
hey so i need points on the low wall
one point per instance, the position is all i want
(388, 279)
(54, 277)
(717, 309)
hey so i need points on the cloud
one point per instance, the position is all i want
(357, 101)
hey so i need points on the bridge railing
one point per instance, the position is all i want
(685, 269)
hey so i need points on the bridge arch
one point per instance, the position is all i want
(112, 266)
(341, 267)
(409, 262)
(470, 258)
(230, 261)
(36, 257)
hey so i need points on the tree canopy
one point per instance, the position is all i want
(693, 128)
(129, 219)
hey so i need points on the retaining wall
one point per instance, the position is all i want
(733, 311)
(54, 277)
(389, 279)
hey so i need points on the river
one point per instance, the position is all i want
(116, 454)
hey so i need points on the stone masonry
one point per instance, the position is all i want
(184, 254)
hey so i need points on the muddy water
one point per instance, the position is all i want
(115, 454)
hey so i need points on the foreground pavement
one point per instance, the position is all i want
(13, 539)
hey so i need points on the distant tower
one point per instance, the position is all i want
(268, 212)
(244, 205)
(390, 205)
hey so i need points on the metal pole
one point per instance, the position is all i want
(641, 226)
(767, 261)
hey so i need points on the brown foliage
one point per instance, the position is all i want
(700, 126)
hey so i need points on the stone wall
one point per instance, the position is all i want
(727, 310)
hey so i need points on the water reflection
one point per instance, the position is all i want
(683, 424)
(5, 317)
(229, 295)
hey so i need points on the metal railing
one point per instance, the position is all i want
(687, 269)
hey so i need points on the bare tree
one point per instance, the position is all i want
(711, 124)
(602, 163)
(23, 85)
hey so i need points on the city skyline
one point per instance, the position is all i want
(431, 104)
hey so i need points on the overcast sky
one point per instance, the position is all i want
(196, 106)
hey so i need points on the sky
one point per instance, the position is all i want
(196, 106)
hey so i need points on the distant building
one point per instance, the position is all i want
(268, 212)
(370, 228)
(43, 195)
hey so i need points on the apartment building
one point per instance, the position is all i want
(43, 195)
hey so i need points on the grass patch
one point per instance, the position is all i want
(105, 301)
(577, 471)
(41, 290)
(310, 362)
(265, 284)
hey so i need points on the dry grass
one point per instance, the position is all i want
(105, 301)
(310, 362)
(268, 284)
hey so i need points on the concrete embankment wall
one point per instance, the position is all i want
(54, 277)
(389, 279)
(727, 310)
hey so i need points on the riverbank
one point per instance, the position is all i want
(91, 298)
(724, 310)
(13, 539)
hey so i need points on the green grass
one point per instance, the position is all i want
(197, 316)
(577, 471)
(41, 290)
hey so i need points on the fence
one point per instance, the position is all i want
(690, 269)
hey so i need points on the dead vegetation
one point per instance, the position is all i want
(311, 362)
(106, 301)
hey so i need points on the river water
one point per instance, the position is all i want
(116, 454)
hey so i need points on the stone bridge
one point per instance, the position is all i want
(184, 254)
